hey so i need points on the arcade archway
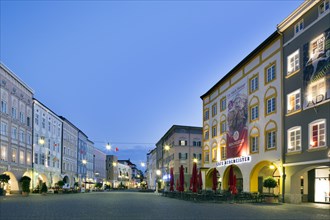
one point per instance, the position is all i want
(239, 178)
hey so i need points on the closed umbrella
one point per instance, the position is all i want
(194, 178)
(215, 180)
(231, 176)
(177, 187)
(234, 189)
(200, 180)
(181, 179)
(171, 180)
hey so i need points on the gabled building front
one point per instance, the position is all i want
(16, 128)
(306, 94)
(242, 121)
(47, 146)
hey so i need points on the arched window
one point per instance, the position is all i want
(254, 140)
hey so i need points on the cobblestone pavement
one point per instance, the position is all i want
(135, 205)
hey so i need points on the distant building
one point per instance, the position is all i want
(112, 170)
(82, 157)
(179, 146)
(16, 128)
(90, 162)
(69, 152)
(47, 147)
(99, 166)
(151, 175)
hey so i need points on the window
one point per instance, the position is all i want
(36, 158)
(270, 73)
(214, 131)
(3, 155)
(214, 109)
(42, 159)
(206, 135)
(315, 89)
(43, 123)
(183, 143)
(28, 158)
(28, 123)
(317, 47)
(28, 138)
(299, 26)
(223, 151)
(324, 6)
(3, 128)
(21, 117)
(223, 104)
(206, 115)
(254, 84)
(254, 112)
(271, 105)
(21, 136)
(21, 157)
(223, 126)
(14, 155)
(36, 119)
(294, 139)
(206, 156)
(214, 153)
(254, 144)
(293, 101)
(3, 106)
(270, 139)
(317, 131)
(197, 143)
(293, 62)
(14, 133)
(13, 113)
(48, 160)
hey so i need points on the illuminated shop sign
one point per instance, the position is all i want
(316, 61)
(237, 160)
(237, 118)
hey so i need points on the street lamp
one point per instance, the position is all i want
(108, 146)
(195, 160)
(143, 164)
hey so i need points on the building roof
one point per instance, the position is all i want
(37, 101)
(176, 127)
(272, 37)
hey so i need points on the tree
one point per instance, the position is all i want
(26, 184)
(269, 183)
(60, 183)
(4, 178)
(44, 188)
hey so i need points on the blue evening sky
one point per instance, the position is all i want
(125, 71)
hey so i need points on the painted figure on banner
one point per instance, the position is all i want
(237, 121)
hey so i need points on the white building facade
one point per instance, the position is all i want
(16, 128)
(47, 146)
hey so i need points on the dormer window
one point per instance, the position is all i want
(324, 6)
(299, 26)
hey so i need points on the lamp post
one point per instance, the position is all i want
(84, 162)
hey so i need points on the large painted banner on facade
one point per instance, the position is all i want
(316, 68)
(237, 115)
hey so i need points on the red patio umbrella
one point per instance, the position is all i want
(200, 180)
(234, 189)
(215, 180)
(194, 178)
(177, 187)
(231, 176)
(171, 180)
(181, 179)
(190, 184)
